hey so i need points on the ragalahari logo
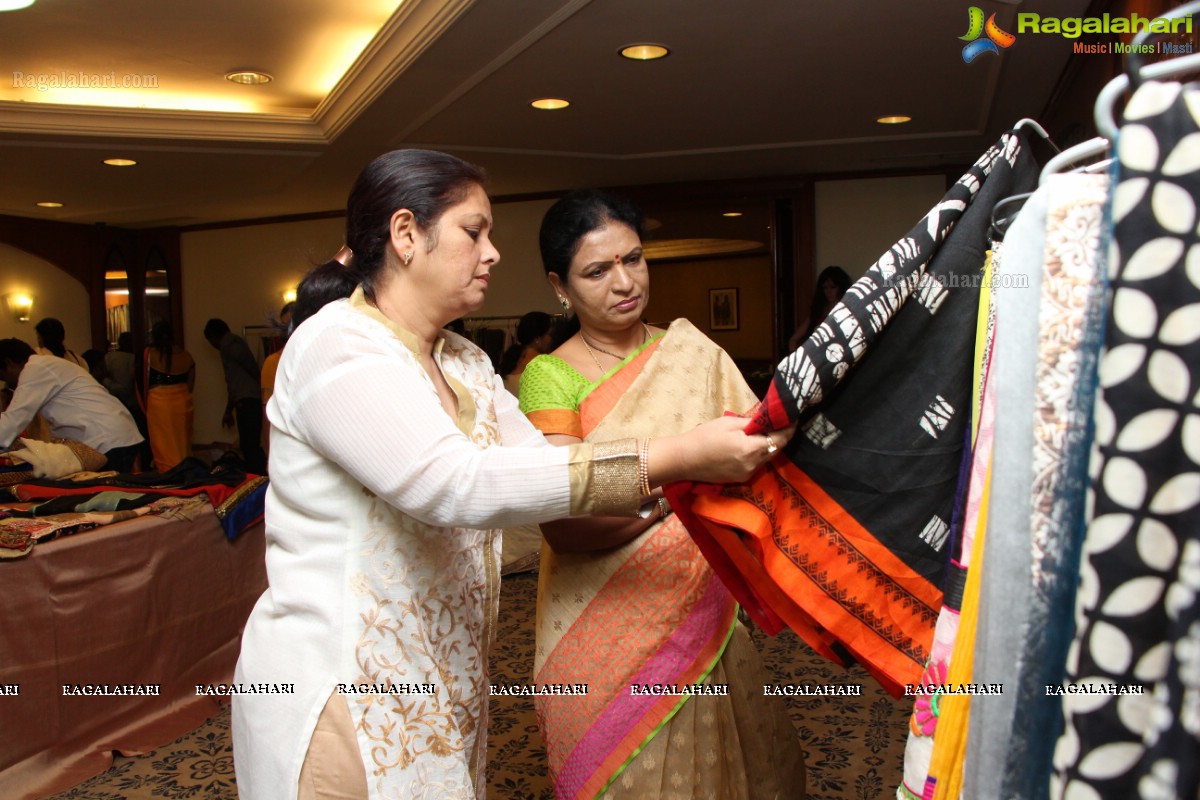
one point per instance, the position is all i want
(996, 38)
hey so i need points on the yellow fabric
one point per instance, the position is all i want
(950, 744)
(983, 344)
(579, 466)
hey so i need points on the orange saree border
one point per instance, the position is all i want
(645, 620)
(599, 401)
(806, 559)
(587, 643)
(602, 399)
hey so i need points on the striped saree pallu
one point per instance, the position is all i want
(844, 536)
(649, 612)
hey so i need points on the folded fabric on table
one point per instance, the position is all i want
(237, 498)
(55, 459)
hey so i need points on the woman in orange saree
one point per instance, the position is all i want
(675, 700)
(170, 377)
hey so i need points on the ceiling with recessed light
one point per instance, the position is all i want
(749, 90)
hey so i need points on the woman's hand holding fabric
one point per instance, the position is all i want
(718, 451)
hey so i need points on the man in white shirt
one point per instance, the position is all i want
(71, 401)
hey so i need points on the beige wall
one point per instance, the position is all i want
(681, 290)
(240, 275)
(858, 220)
(519, 282)
(54, 292)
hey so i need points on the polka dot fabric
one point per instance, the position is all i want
(1138, 604)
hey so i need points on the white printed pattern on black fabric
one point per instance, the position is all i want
(821, 432)
(935, 533)
(937, 416)
(871, 302)
(1138, 605)
(931, 294)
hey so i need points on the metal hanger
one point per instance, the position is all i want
(1037, 128)
(1073, 155)
(1000, 224)
(1107, 98)
(1133, 59)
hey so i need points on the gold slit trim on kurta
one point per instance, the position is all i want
(615, 478)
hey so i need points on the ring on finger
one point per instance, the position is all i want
(772, 448)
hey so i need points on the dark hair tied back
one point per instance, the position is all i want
(323, 284)
(162, 339)
(423, 181)
(53, 334)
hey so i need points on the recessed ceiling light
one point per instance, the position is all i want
(13, 5)
(120, 162)
(248, 77)
(732, 214)
(550, 103)
(50, 204)
(894, 119)
(644, 52)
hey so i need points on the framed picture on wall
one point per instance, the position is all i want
(723, 309)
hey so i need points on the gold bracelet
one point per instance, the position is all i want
(664, 508)
(644, 467)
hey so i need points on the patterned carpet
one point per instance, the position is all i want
(853, 745)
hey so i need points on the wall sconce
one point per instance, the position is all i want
(20, 305)
(289, 296)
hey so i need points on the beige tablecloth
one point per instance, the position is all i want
(148, 601)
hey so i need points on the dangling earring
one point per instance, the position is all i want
(566, 304)
(407, 258)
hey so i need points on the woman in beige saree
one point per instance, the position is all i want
(675, 704)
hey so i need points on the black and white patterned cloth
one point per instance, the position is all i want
(1138, 604)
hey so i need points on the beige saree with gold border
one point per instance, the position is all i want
(651, 613)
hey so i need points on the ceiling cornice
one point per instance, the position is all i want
(414, 27)
(137, 123)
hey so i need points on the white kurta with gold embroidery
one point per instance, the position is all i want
(383, 554)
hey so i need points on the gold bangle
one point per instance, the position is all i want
(644, 467)
(663, 508)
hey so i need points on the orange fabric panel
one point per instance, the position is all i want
(810, 562)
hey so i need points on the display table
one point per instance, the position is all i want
(149, 601)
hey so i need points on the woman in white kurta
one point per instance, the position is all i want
(396, 455)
